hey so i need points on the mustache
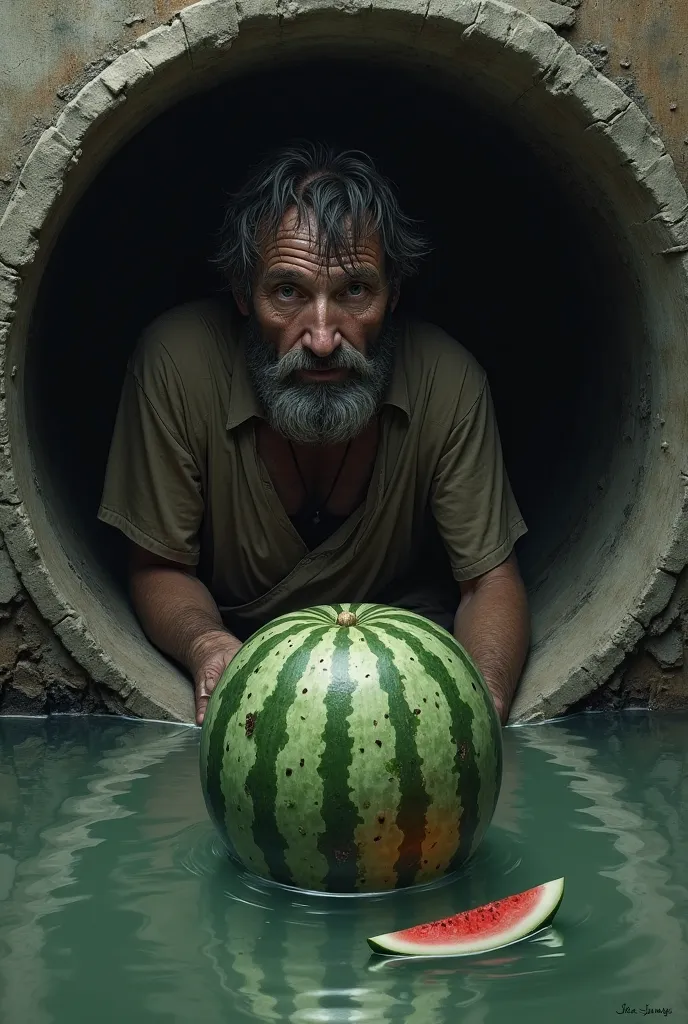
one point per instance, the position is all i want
(345, 357)
(327, 412)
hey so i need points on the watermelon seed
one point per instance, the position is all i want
(362, 749)
(368, 676)
(381, 818)
(437, 705)
(378, 743)
(425, 700)
(425, 862)
(416, 711)
(305, 690)
(301, 762)
(433, 847)
(288, 771)
(374, 721)
(227, 747)
(249, 696)
(303, 718)
(377, 839)
(437, 693)
(386, 716)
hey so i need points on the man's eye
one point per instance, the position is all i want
(286, 291)
(356, 290)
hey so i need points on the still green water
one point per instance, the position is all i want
(118, 905)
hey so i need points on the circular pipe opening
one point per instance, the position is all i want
(521, 273)
(533, 270)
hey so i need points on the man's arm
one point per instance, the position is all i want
(180, 617)
(493, 624)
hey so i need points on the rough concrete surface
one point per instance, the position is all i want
(49, 48)
(556, 15)
(37, 675)
(59, 97)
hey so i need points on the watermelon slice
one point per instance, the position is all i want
(477, 931)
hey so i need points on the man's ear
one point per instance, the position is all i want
(241, 301)
(395, 291)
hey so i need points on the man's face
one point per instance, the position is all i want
(319, 341)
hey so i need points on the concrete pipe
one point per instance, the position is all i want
(560, 233)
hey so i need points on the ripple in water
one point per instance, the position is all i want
(202, 853)
(184, 933)
(289, 954)
(285, 954)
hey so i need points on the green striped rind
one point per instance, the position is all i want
(226, 754)
(270, 739)
(373, 777)
(384, 773)
(413, 798)
(475, 730)
(339, 812)
(300, 794)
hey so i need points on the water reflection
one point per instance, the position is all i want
(57, 787)
(116, 893)
(636, 806)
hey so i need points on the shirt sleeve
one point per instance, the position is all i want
(153, 490)
(471, 498)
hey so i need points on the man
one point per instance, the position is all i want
(310, 446)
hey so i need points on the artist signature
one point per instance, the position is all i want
(643, 1011)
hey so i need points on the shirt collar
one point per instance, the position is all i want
(243, 401)
(244, 404)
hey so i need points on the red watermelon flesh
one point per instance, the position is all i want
(479, 930)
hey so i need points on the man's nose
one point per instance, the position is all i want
(321, 332)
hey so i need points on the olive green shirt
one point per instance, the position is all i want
(184, 479)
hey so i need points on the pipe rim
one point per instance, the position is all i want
(196, 47)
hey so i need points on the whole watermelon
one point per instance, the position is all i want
(351, 747)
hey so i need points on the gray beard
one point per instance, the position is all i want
(327, 413)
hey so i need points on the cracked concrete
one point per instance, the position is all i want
(521, 63)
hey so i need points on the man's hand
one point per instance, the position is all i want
(501, 708)
(210, 656)
(180, 616)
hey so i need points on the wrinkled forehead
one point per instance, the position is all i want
(299, 241)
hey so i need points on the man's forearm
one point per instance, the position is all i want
(493, 624)
(177, 612)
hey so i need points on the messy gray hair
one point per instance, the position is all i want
(344, 193)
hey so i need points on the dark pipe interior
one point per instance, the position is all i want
(519, 274)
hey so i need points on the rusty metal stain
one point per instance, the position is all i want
(647, 46)
(165, 9)
(48, 43)
(27, 111)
